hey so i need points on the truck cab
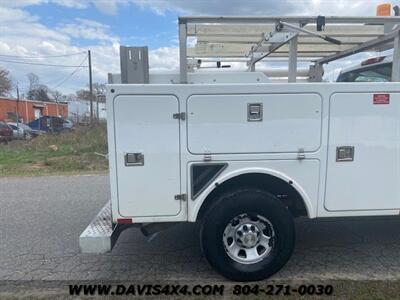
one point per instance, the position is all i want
(375, 69)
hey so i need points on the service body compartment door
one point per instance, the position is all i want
(147, 155)
(254, 123)
(364, 152)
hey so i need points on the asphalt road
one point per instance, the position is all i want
(41, 219)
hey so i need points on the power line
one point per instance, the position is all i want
(40, 64)
(72, 73)
(68, 77)
(55, 80)
(44, 56)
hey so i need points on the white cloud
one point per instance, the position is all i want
(109, 7)
(87, 29)
(21, 3)
(4, 47)
(71, 3)
(223, 7)
(165, 58)
(263, 7)
(9, 15)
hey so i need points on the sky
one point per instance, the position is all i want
(44, 31)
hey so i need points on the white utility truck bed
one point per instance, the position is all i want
(244, 155)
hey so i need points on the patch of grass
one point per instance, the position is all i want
(68, 152)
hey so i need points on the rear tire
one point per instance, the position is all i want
(247, 235)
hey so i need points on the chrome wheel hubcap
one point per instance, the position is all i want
(248, 239)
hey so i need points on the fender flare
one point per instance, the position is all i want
(195, 208)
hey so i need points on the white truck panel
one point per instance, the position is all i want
(371, 181)
(155, 194)
(287, 170)
(219, 123)
(145, 124)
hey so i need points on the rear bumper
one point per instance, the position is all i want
(101, 234)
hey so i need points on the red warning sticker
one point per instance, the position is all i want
(381, 98)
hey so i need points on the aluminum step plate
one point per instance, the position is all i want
(100, 236)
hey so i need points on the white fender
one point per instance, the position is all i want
(197, 204)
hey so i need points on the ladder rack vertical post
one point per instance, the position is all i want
(293, 59)
(316, 72)
(396, 58)
(183, 50)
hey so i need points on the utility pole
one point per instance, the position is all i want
(17, 105)
(97, 107)
(90, 86)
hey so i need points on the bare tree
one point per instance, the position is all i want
(37, 91)
(83, 94)
(5, 82)
(57, 96)
(99, 90)
(39, 94)
(34, 81)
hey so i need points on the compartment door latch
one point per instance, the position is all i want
(134, 159)
(181, 197)
(179, 116)
(254, 112)
(344, 153)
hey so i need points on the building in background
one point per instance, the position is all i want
(29, 110)
(79, 110)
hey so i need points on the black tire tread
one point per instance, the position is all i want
(235, 201)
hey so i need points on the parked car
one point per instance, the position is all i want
(48, 124)
(22, 131)
(6, 133)
(18, 132)
(376, 69)
(68, 124)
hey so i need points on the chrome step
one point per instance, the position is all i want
(100, 235)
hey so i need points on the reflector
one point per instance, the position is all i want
(373, 60)
(124, 221)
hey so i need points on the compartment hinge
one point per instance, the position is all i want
(300, 154)
(181, 197)
(207, 155)
(180, 116)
